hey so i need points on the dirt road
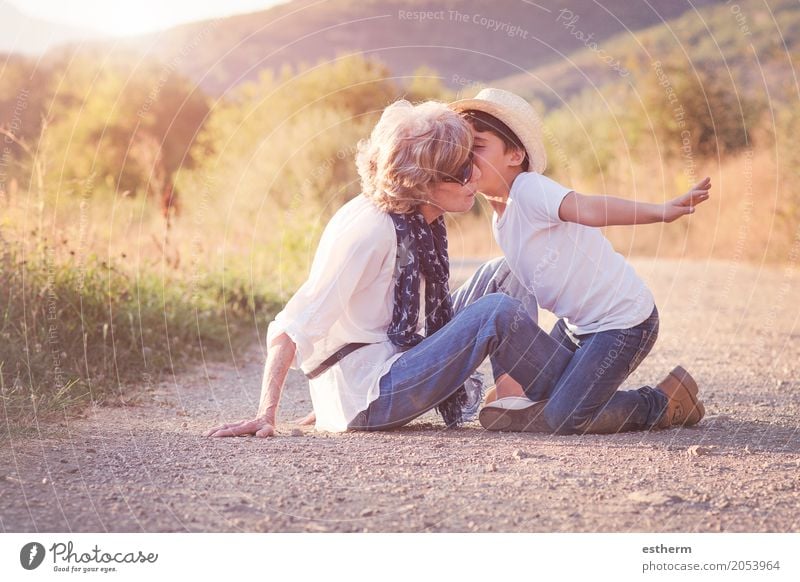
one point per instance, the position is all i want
(147, 467)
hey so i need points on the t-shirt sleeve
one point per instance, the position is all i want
(350, 255)
(540, 197)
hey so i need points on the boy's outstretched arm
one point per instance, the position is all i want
(611, 211)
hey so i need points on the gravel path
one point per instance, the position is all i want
(146, 467)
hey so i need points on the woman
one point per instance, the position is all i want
(354, 326)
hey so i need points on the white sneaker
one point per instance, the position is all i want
(515, 414)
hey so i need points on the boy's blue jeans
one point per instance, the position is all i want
(586, 399)
(495, 317)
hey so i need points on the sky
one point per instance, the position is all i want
(129, 17)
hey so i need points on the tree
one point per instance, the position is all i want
(695, 111)
(131, 124)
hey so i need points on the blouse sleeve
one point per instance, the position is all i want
(351, 252)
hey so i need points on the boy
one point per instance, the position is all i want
(551, 239)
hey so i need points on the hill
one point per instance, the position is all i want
(752, 43)
(463, 40)
(23, 34)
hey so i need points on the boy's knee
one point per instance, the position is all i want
(497, 267)
(502, 308)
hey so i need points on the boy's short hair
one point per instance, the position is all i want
(483, 122)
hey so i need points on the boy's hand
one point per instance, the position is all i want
(686, 204)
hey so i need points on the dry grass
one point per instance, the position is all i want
(751, 216)
(98, 297)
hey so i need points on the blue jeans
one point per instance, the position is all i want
(488, 322)
(586, 399)
(495, 276)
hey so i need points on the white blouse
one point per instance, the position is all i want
(348, 297)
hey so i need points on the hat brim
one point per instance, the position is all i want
(527, 133)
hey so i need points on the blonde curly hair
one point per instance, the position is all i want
(411, 147)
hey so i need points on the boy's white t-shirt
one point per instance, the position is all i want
(572, 269)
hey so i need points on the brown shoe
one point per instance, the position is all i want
(683, 408)
(491, 395)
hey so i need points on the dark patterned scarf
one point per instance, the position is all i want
(422, 247)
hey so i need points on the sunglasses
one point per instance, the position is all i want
(463, 175)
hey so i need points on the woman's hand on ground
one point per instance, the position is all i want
(259, 427)
(686, 203)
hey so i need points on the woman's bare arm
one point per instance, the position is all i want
(279, 360)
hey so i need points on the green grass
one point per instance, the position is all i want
(74, 333)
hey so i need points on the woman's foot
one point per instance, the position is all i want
(306, 420)
(684, 408)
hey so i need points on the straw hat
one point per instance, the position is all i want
(517, 114)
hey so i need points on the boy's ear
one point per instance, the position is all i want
(515, 156)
